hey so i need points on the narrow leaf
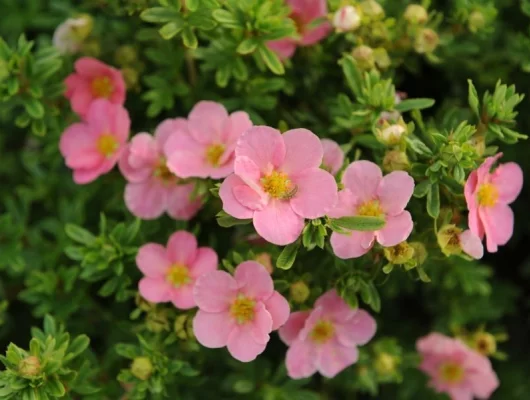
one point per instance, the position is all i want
(288, 256)
(360, 223)
(472, 98)
(414, 104)
(271, 60)
(433, 201)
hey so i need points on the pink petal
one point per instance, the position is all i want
(263, 145)
(242, 345)
(186, 164)
(180, 206)
(316, 193)
(395, 191)
(484, 382)
(167, 128)
(230, 204)
(83, 176)
(345, 206)
(76, 139)
(234, 126)
(290, 330)
(460, 393)
(181, 141)
(206, 121)
(303, 150)
(248, 171)
(254, 280)
(484, 171)
(363, 179)
(334, 307)
(206, 260)
(313, 36)
(358, 330)
(332, 358)
(308, 10)
(130, 173)
(261, 325)
(120, 122)
(182, 297)
(146, 200)
(212, 329)
(155, 290)
(152, 260)
(498, 224)
(333, 155)
(278, 308)
(284, 48)
(90, 67)
(215, 291)
(143, 152)
(397, 229)
(223, 170)
(351, 245)
(475, 225)
(248, 197)
(81, 100)
(301, 359)
(278, 223)
(84, 159)
(182, 248)
(471, 244)
(508, 179)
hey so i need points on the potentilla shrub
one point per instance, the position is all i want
(259, 199)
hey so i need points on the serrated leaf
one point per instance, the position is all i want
(433, 200)
(360, 223)
(271, 60)
(287, 257)
(414, 104)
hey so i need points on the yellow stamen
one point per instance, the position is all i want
(370, 208)
(451, 373)
(487, 195)
(102, 87)
(278, 185)
(322, 332)
(107, 145)
(178, 275)
(163, 173)
(242, 310)
(214, 153)
(298, 23)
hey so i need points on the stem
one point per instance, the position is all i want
(192, 68)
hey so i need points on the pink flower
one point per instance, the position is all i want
(303, 13)
(171, 272)
(92, 148)
(277, 182)
(333, 156)
(325, 339)
(93, 80)
(238, 312)
(488, 195)
(471, 244)
(152, 188)
(367, 193)
(455, 369)
(205, 148)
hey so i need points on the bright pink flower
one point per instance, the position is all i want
(456, 369)
(325, 339)
(366, 192)
(303, 13)
(333, 156)
(205, 148)
(277, 182)
(92, 148)
(93, 80)
(238, 312)
(488, 195)
(471, 244)
(171, 272)
(152, 188)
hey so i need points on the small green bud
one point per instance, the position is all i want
(29, 367)
(142, 368)
(157, 320)
(372, 9)
(416, 14)
(130, 76)
(400, 253)
(382, 60)
(420, 252)
(92, 48)
(391, 134)
(396, 160)
(125, 55)
(476, 21)
(299, 292)
(484, 343)
(385, 364)
(183, 327)
(427, 41)
(364, 56)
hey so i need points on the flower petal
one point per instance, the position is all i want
(155, 290)
(278, 308)
(263, 145)
(290, 330)
(277, 223)
(152, 260)
(234, 126)
(242, 345)
(396, 230)
(284, 48)
(303, 150)
(248, 197)
(333, 156)
(254, 280)
(230, 204)
(182, 248)
(334, 307)
(301, 359)
(395, 191)
(215, 291)
(345, 206)
(206, 121)
(315, 35)
(146, 200)
(358, 330)
(333, 358)
(182, 298)
(180, 205)
(498, 224)
(316, 193)
(206, 260)
(508, 179)
(166, 129)
(261, 325)
(350, 245)
(212, 329)
(471, 244)
(363, 178)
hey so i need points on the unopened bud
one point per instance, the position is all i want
(130, 76)
(396, 160)
(346, 19)
(427, 41)
(125, 55)
(385, 364)
(29, 366)
(476, 21)
(416, 14)
(92, 48)
(484, 343)
(157, 320)
(420, 252)
(382, 60)
(478, 142)
(400, 253)
(364, 56)
(265, 260)
(372, 9)
(299, 292)
(141, 303)
(183, 327)
(142, 368)
(69, 35)
(391, 134)
(448, 237)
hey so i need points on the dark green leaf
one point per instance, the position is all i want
(421, 189)
(287, 257)
(80, 235)
(160, 14)
(360, 223)
(77, 346)
(34, 108)
(433, 201)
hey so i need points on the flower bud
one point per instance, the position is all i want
(449, 239)
(364, 56)
(141, 303)
(391, 134)
(157, 320)
(125, 55)
(142, 368)
(416, 14)
(69, 35)
(265, 260)
(476, 21)
(130, 76)
(372, 9)
(399, 254)
(382, 60)
(299, 292)
(183, 327)
(385, 364)
(396, 160)
(420, 252)
(346, 19)
(427, 41)
(484, 343)
(92, 48)
(29, 366)
(478, 142)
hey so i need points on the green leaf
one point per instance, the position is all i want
(414, 104)
(159, 14)
(247, 46)
(271, 60)
(472, 98)
(433, 201)
(109, 287)
(360, 223)
(170, 29)
(34, 108)
(226, 18)
(127, 350)
(80, 235)
(49, 325)
(421, 189)
(353, 75)
(55, 387)
(227, 221)
(192, 5)
(77, 346)
(189, 39)
(287, 257)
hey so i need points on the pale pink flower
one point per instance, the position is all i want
(152, 188)
(93, 80)
(303, 13)
(205, 147)
(278, 183)
(488, 195)
(333, 156)
(325, 339)
(471, 244)
(238, 312)
(92, 148)
(172, 271)
(347, 18)
(456, 369)
(367, 193)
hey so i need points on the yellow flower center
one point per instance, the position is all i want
(242, 310)
(370, 208)
(163, 173)
(322, 332)
(178, 275)
(278, 185)
(298, 23)
(102, 87)
(487, 195)
(451, 373)
(107, 145)
(214, 153)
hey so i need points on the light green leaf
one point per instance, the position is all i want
(247, 46)
(433, 201)
(414, 104)
(472, 98)
(360, 223)
(189, 39)
(80, 235)
(160, 14)
(287, 257)
(170, 29)
(227, 221)
(271, 60)
(34, 108)
(421, 189)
